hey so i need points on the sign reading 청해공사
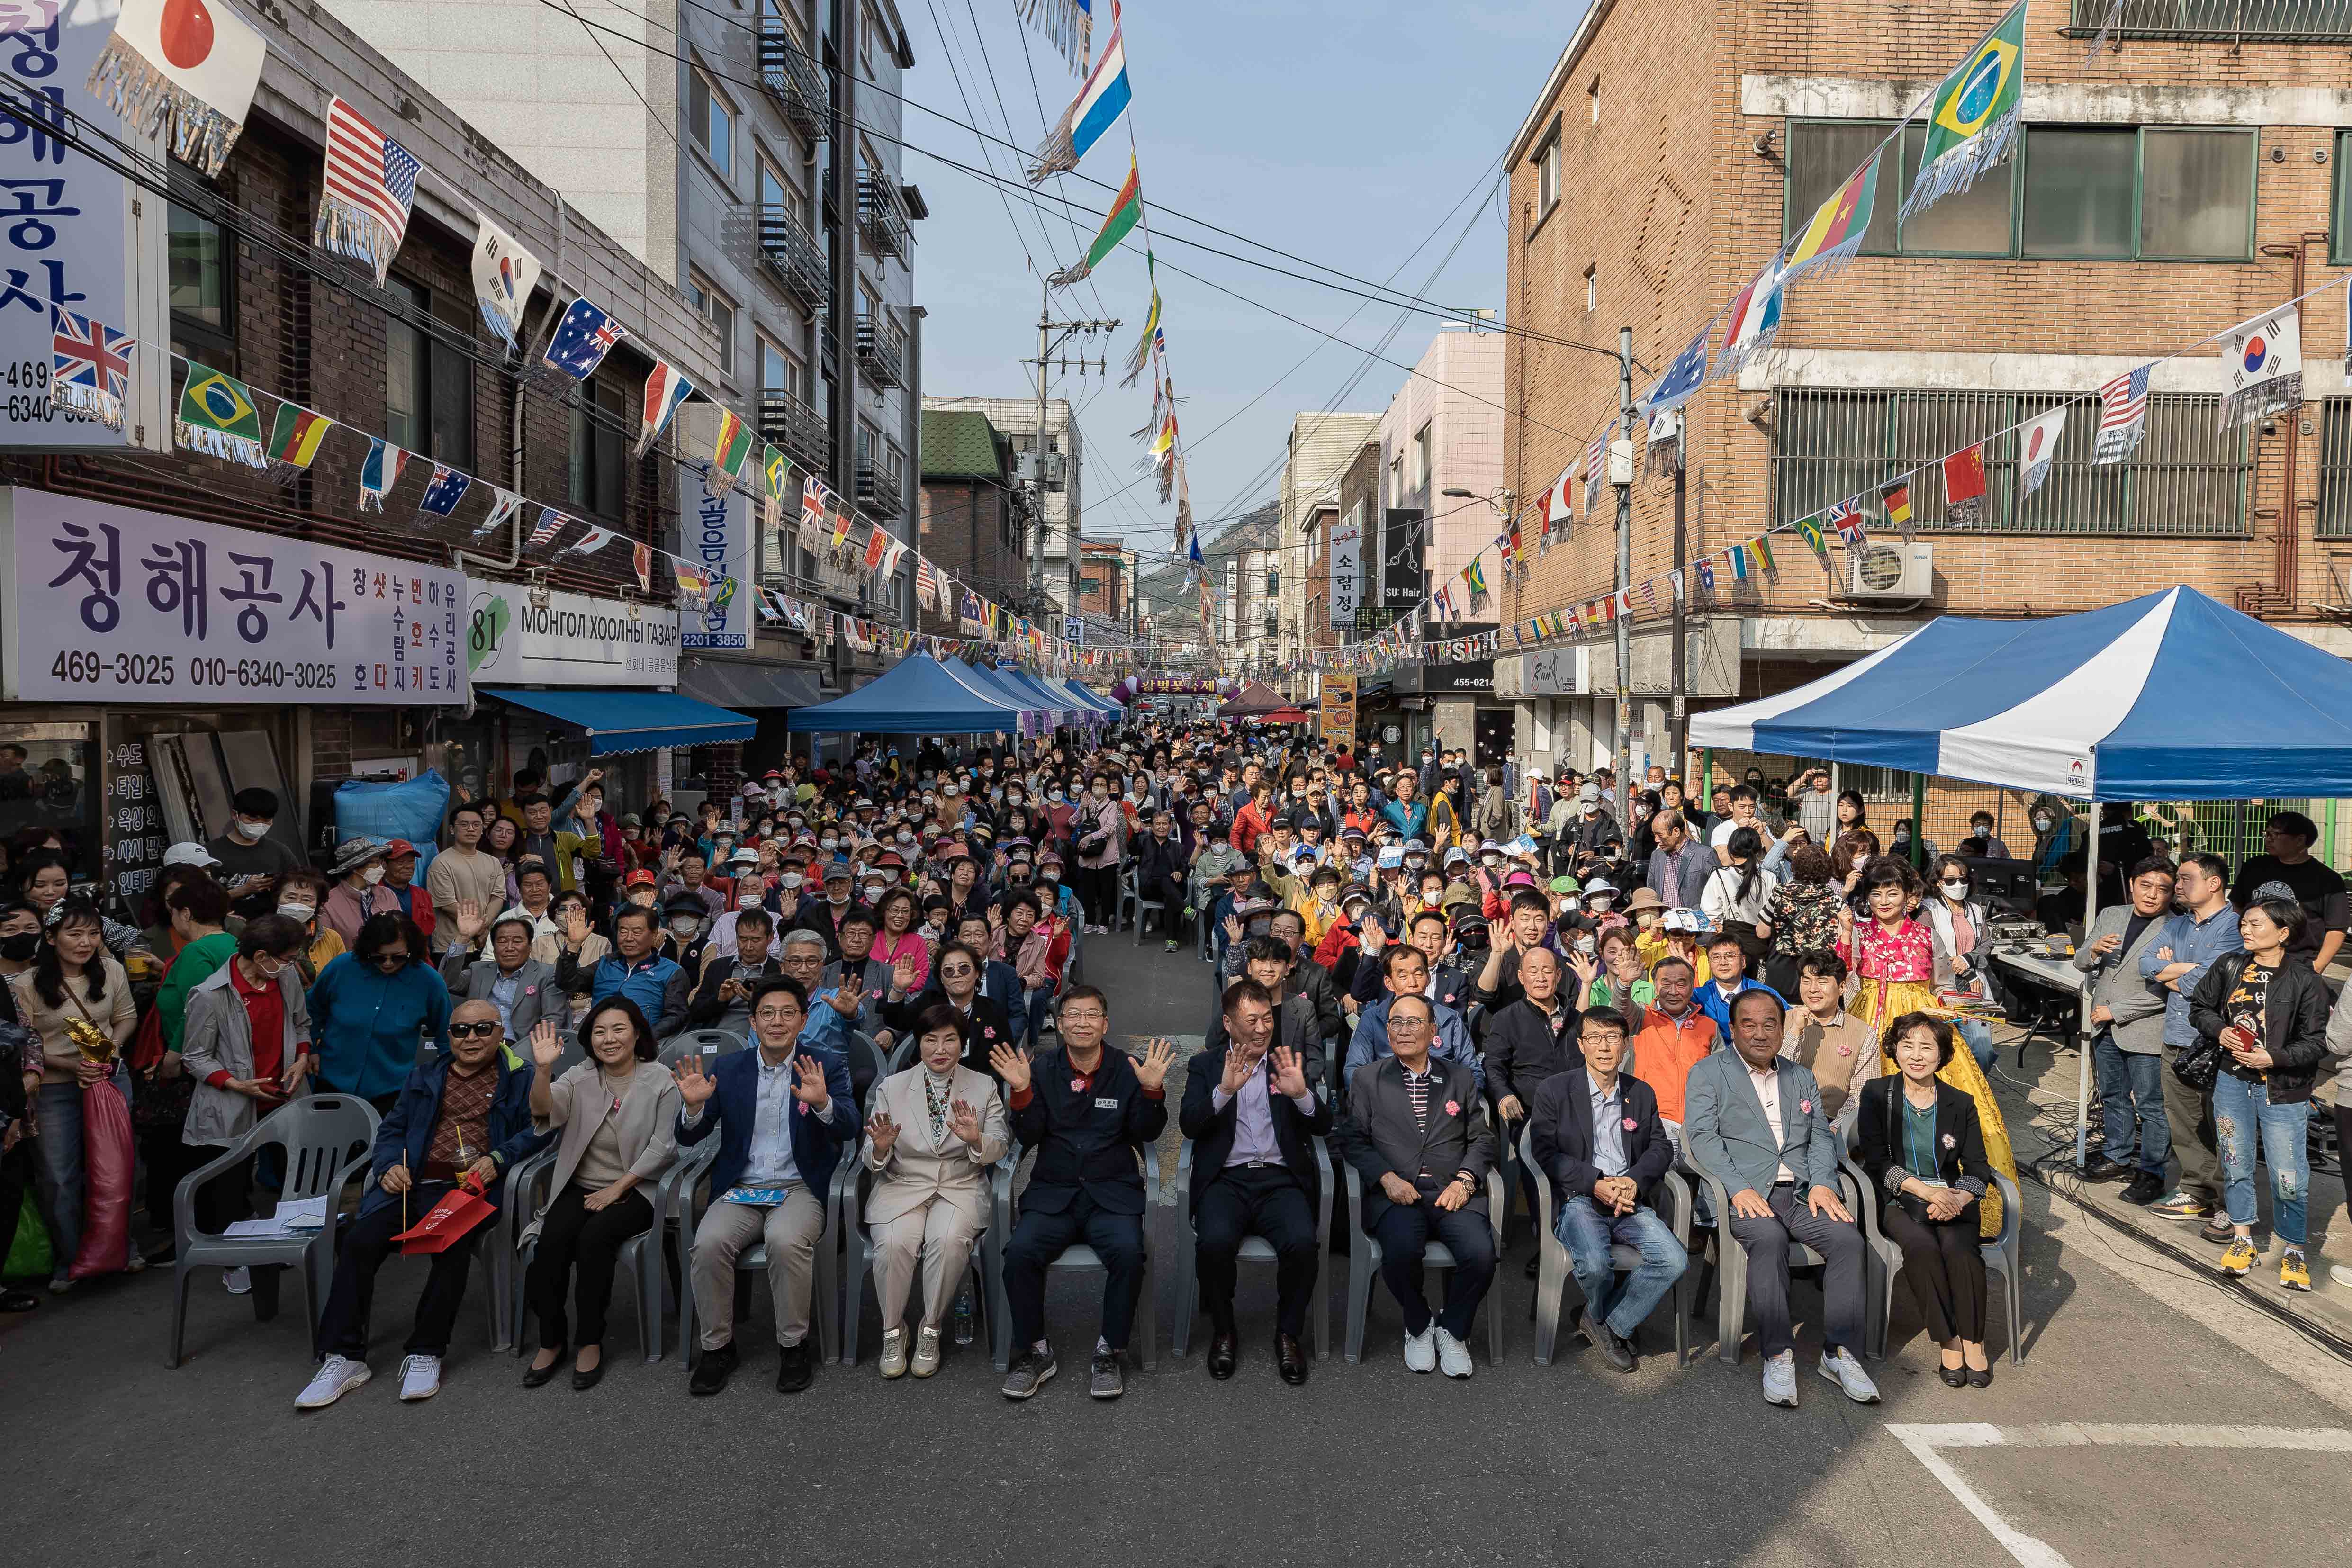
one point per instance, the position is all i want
(144, 607)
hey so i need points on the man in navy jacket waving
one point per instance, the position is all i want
(1089, 1112)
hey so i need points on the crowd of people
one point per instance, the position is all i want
(1420, 963)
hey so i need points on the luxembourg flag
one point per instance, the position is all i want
(1096, 109)
(665, 390)
(1755, 318)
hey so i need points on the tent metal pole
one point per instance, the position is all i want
(2083, 1005)
(1919, 821)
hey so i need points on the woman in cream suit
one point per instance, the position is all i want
(935, 1131)
(617, 1113)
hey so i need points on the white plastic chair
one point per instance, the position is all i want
(1079, 1258)
(640, 1258)
(1556, 1272)
(1254, 1249)
(1364, 1256)
(824, 1291)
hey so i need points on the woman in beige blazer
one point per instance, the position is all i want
(617, 1112)
(935, 1131)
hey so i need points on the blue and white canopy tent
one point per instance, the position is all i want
(2172, 696)
(916, 696)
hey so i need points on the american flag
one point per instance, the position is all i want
(550, 524)
(926, 584)
(2122, 417)
(370, 173)
(90, 365)
(583, 338)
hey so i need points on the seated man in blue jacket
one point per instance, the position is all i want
(464, 1115)
(783, 1110)
(1407, 969)
(1089, 1112)
(1726, 963)
(635, 968)
(1753, 1118)
(1595, 1133)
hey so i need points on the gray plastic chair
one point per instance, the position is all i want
(1130, 898)
(685, 1203)
(1254, 1249)
(1885, 1256)
(707, 1044)
(641, 1257)
(318, 1134)
(1080, 1258)
(985, 1265)
(1364, 1255)
(1556, 1274)
(1730, 1259)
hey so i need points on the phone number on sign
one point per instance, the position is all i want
(161, 669)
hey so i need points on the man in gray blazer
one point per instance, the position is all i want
(521, 987)
(1753, 1120)
(1412, 1132)
(2127, 1011)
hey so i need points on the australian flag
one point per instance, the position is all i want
(583, 338)
(1681, 378)
(448, 488)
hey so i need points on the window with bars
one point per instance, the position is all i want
(2335, 468)
(2187, 478)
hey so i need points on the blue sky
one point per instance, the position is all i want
(1343, 133)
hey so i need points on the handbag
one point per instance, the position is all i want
(2198, 1064)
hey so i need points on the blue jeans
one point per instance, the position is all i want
(2131, 1092)
(1587, 1232)
(2240, 1109)
(1030, 1008)
(1979, 1035)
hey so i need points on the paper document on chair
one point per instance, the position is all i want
(291, 1219)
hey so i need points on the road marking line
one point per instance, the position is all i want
(1925, 1438)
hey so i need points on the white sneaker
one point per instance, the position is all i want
(1453, 1355)
(894, 1353)
(336, 1376)
(1846, 1372)
(927, 1350)
(420, 1377)
(1421, 1350)
(1780, 1379)
(237, 1282)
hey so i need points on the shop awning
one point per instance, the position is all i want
(732, 683)
(627, 721)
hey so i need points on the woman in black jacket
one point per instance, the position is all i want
(2269, 1013)
(1921, 1143)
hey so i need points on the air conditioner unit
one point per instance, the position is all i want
(1890, 569)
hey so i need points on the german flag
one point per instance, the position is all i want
(1896, 495)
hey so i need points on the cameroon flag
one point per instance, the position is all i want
(1838, 225)
(295, 434)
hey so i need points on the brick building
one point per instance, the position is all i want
(1107, 586)
(975, 518)
(2161, 192)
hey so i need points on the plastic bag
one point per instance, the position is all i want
(413, 809)
(29, 1257)
(106, 1159)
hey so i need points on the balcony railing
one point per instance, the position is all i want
(795, 83)
(792, 256)
(883, 215)
(2264, 21)
(882, 350)
(796, 428)
(878, 490)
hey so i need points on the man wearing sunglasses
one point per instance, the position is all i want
(463, 1116)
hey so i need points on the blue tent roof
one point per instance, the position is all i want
(621, 721)
(1089, 704)
(916, 696)
(1093, 699)
(1054, 701)
(983, 679)
(2172, 696)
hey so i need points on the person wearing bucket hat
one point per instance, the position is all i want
(357, 871)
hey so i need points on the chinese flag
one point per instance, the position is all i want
(1964, 475)
(876, 543)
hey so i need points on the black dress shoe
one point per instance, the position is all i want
(1224, 1353)
(2143, 1190)
(535, 1376)
(711, 1373)
(18, 1301)
(1607, 1340)
(1980, 1376)
(1289, 1359)
(583, 1380)
(1954, 1376)
(2099, 1168)
(1535, 1264)
(797, 1371)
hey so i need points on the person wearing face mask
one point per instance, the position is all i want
(369, 1006)
(1958, 920)
(299, 898)
(358, 891)
(252, 863)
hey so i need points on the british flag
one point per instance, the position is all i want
(90, 367)
(2122, 417)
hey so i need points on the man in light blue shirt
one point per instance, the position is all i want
(2177, 959)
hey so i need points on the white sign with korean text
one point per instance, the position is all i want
(719, 538)
(111, 604)
(571, 639)
(1347, 572)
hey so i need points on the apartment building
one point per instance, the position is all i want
(2160, 192)
(1061, 485)
(1243, 567)
(1315, 454)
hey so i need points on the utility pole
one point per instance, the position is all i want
(1621, 752)
(1678, 725)
(1051, 335)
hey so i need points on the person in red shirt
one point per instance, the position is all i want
(247, 1044)
(399, 877)
(1253, 819)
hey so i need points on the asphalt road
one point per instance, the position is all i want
(120, 1458)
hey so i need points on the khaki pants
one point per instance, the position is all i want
(2184, 1110)
(940, 1234)
(790, 1231)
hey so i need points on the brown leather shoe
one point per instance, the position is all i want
(1291, 1360)
(1224, 1350)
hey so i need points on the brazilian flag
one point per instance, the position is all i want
(1808, 529)
(1972, 119)
(217, 417)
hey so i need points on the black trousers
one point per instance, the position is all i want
(343, 1327)
(1170, 896)
(1255, 1200)
(15, 1172)
(227, 1197)
(575, 1240)
(1945, 1270)
(1406, 1230)
(1039, 1238)
(1097, 887)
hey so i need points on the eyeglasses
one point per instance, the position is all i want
(468, 1031)
(391, 958)
(960, 972)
